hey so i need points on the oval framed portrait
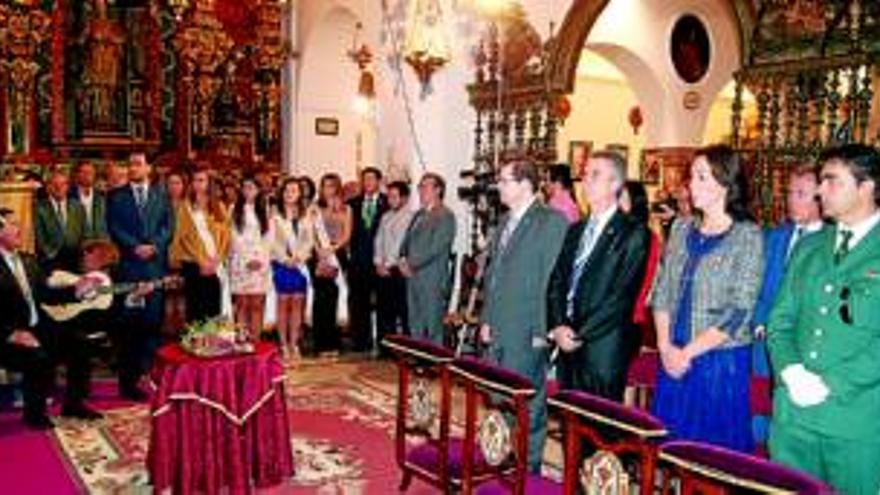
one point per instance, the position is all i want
(690, 49)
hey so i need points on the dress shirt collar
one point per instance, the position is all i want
(144, 186)
(859, 230)
(603, 218)
(516, 215)
(7, 255)
(809, 228)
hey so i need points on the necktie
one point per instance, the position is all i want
(61, 214)
(843, 248)
(795, 238)
(140, 197)
(24, 285)
(506, 234)
(369, 212)
(585, 248)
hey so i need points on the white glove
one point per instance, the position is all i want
(805, 388)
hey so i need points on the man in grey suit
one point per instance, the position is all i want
(94, 202)
(425, 260)
(514, 316)
(58, 226)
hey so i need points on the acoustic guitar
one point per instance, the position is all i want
(101, 296)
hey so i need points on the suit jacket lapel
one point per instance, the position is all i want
(605, 240)
(868, 247)
(519, 231)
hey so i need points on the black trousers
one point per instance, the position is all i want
(324, 328)
(362, 288)
(136, 336)
(38, 374)
(75, 348)
(391, 311)
(202, 294)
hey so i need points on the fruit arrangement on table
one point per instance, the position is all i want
(216, 337)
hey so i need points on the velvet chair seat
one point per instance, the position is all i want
(734, 469)
(535, 485)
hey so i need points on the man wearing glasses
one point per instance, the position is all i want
(514, 315)
(823, 334)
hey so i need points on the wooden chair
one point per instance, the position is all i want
(615, 431)
(423, 381)
(700, 468)
(495, 452)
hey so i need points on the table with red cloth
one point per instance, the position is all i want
(218, 423)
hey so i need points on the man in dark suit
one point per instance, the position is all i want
(514, 314)
(140, 223)
(367, 209)
(58, 225)
(25, 343)
(595, 284)
(93, 201)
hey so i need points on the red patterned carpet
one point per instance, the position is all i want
(342, 423)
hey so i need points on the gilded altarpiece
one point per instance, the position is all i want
(182, 80)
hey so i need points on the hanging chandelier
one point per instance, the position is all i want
(361, 55)
(426, 47)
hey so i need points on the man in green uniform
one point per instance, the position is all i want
(824, 334)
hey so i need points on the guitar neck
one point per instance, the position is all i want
(125, 287)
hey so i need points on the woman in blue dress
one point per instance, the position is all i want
(702, 301)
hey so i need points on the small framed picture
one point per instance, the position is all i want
(326, 126)
(620, 149)
(650, 166)
(578, 153)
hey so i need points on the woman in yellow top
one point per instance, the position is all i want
(200, 247)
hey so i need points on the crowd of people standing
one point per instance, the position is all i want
(720, 299)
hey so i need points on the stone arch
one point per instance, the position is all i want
(644, 83)
(579, 20)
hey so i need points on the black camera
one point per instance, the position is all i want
(664, 206)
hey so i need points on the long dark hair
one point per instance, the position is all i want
(279, 199)
(330, 177)
(728, 171)
(638, 200)
(259, 206)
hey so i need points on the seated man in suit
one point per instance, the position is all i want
(80, 335)
(24, 344)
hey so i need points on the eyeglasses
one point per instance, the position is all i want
(845, 312)
(506, 180)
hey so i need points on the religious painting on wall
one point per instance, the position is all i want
(689, 48)
(668, 167)
(620, 149)
(578, 153)
(650, 166)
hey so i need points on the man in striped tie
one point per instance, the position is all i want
(595, 284)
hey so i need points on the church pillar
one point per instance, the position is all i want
(289, 87)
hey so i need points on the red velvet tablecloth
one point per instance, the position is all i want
(218, 423)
